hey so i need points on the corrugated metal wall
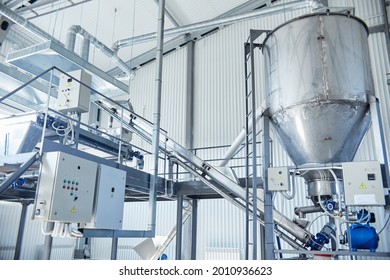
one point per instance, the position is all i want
(219, 117)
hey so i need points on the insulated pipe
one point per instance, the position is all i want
(296, 5)
(21, 21)
(75, 30)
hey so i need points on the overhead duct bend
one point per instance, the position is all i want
(287, 7)
(88, 39)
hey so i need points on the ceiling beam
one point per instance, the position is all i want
(182, 40)
(59, 9)
(169, 15)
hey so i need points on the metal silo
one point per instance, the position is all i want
(319, 79)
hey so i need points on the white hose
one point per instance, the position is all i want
(337, 187)
(43, 228)
(292, 195)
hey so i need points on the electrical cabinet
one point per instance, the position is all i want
(363, 185)
(66, 188)
(72, 95)
(109, 199)
(278, 178)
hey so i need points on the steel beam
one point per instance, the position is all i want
(179, 225)
(22, 223)
(23, 168)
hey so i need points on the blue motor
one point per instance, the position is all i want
(18, 183)
(363, 236)
(323, 237)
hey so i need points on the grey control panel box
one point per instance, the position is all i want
(278, 178)
(363, 184)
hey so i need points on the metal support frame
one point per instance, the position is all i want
(22, 169)
(194, 228)
(179, 224)
(250, 138)
(268, 205)
(386, 24)
(114, 248)
(380, 144)
(22, 223)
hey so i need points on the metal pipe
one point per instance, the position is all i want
(75, 30)
(169, 15)
(268, 204)
(239, 140)
(302, 211)
(287, 7)
(156, 118)
(21, 21)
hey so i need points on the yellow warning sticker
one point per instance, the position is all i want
(362, 186)
(73, 210)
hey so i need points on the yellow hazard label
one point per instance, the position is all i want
(362, 186)
(73, 210)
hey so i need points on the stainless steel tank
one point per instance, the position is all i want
(319, 79)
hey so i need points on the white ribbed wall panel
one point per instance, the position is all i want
(173, 113)
(369, 11)
(220, 226)
(9, 222)
(33, 239)
(136, 218)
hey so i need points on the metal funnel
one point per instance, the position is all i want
(319, 80)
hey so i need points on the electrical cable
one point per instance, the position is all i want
(388, 219)
(292, 195)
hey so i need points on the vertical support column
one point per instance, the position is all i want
(50, 226)
(22, 223)
(48, 242)
(254, 145)
(386, 23)
(156, 119)
(179, 225)
(189, 139)
(268, 207)
(187, 230)
(246, 131)
(114, 248)
(194, 228)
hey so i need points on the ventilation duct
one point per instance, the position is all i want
(88, 39)
(288, 7)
